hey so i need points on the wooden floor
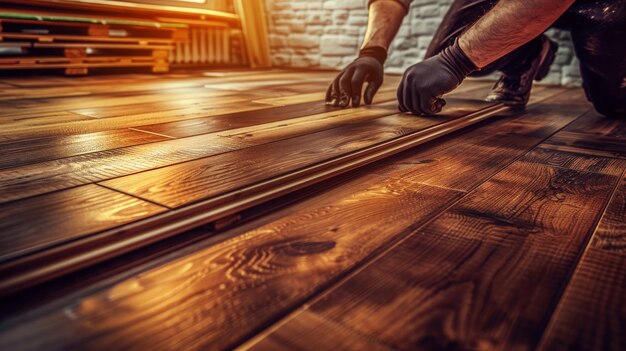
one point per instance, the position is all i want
(506, 235)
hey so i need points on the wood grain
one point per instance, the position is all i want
(188, 182)
(611, 233)
(308, 331)
(204, 125)
(382, 114)
(21, 152)
(134, 120)
(576, 161)
(487, 149)
(216, 297)
(51, 219)
(588, 143)
(40, 178)
(457, 283)
(591, 313)
(462, 100)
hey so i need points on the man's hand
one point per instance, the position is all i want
(424, 84)
(349, 83)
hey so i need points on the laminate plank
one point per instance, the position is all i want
(22, 152)
(129, 121)
(161, 103)
(596, 124)
(591, 313)
(457, 282)
(488, 148)
(386, 92)
(35, 223)
(154, 85)
(308, 331)
(589, 143)
(216, 297)
(205, 125)
(611, 232)
(85, 105)
(12, 120)
(576, 161)
(40, 178)
(44, 107)
(383, 114)
(592, 134)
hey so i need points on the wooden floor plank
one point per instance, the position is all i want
(204, 125)
(11, 119)
(43, 221)
(147, 85)
(40, 178)
(225, 106)
(308, 331)
(162, 102)
(22, 152)
(457, 282)
(593, 134)
(591, 314)
(386, 92)
(488, 148)
(100, 102)
(576, 161)
(214, 298)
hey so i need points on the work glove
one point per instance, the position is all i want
(348, 85)
(424, 84)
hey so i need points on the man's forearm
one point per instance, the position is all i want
(385, 18)
(509, 25)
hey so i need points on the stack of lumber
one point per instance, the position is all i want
(44, 39)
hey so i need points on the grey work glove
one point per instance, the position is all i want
(348, 85)
(424, 83)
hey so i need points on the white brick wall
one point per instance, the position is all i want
(328, 34)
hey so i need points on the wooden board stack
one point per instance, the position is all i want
(75, 43)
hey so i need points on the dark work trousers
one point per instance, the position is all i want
(598, 30)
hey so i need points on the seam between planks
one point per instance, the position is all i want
(131, 195)
(153, 133)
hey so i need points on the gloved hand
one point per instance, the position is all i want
(348, 85)
(424, 84)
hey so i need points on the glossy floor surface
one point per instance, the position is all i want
(509, 234)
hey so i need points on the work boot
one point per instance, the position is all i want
(513, 89)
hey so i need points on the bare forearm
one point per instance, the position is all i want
(509, 25)
(385, 18)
